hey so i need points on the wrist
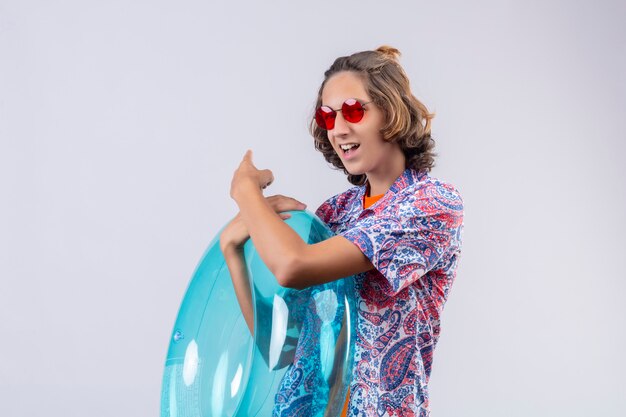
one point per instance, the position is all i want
(230, 249)
(244, 189)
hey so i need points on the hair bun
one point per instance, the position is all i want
(389, 51)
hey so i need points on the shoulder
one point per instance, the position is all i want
(431, 197)
(442, 194)
(336, 206)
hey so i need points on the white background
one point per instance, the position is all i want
(121, 123)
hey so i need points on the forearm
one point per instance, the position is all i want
(276, 242)
(239, 274)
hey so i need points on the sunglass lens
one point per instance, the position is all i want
(352, 110)
(325, 117)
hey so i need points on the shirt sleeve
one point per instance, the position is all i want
(409, 243)
(326, 211)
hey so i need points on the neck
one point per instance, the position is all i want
(382, 179)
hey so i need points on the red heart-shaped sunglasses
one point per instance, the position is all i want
(352, 110)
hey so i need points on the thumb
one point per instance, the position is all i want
(268, 177)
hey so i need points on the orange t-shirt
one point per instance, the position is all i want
(370, 200)
(367, 202)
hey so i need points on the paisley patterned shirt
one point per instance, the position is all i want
(412, 236)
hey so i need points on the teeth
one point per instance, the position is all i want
(349, 146)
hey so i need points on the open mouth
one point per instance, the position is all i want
(349, 148)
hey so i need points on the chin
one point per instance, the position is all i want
(354, 171)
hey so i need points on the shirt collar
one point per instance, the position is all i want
(408, 177)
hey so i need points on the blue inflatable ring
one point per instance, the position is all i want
(299, 361)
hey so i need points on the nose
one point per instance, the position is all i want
(341, 126)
